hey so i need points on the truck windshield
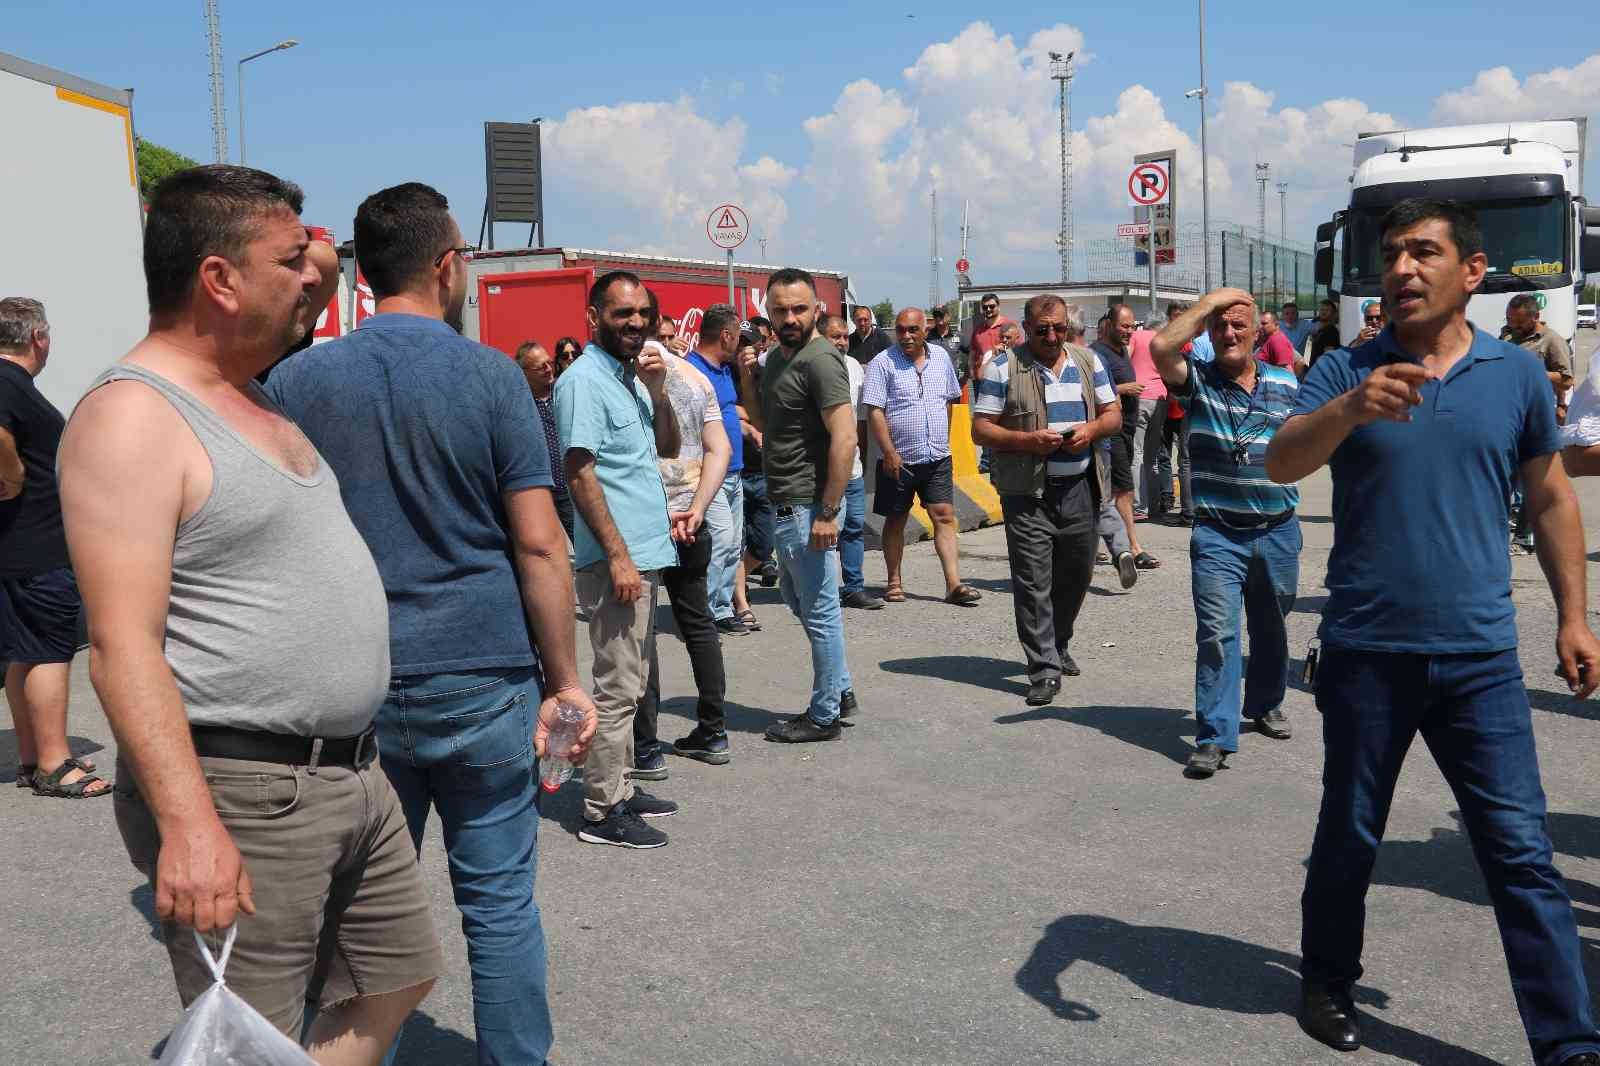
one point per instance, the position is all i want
(1525, 241)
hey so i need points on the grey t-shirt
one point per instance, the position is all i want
(277, 619)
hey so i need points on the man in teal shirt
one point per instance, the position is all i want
(605, 407)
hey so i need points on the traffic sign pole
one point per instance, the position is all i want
(727, 227)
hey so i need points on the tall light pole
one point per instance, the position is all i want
(1263, 176)
(1205, 158)
(219, 111)
(279, 47)
(933, 256)
(1283, 213)
(1061, 73)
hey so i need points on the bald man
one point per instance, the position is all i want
(907, 396)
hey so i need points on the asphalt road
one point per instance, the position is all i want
(961, 880)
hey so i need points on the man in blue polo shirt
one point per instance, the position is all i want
(1246, 544)
(715, 358)
(1423, 428)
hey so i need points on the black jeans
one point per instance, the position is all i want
(1051, 544)
(760, 535)
(691, 610)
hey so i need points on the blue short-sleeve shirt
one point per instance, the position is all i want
(427, 431)
(607, 412)
(724, 379)
(916, 403)
(1420, 561)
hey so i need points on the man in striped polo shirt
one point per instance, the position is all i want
(1041, 417)
(1246, 546)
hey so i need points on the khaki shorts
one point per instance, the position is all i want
(340, 906)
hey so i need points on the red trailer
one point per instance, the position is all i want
(541, 294)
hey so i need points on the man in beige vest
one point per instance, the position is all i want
(1041, 408)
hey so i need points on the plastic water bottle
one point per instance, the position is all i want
(555, 769)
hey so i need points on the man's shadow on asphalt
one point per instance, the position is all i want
(423, 1042)
(1161, 730)
(1209, 971)
(996, 675)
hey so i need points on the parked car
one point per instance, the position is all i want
(1587, 318)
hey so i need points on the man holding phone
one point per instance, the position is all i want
(1423, 430)
(1041, 408)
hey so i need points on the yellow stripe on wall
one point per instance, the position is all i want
(111, 109)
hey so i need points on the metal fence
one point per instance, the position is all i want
(1271, 270)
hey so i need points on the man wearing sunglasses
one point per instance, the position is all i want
(1041, 408)
(444, 468)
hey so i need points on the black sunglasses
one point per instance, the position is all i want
(464, 253)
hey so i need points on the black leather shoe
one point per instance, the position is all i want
(1206, 760)
(848, 706)
(1587, 1058)
(1068, 666)
(1329, 1015)
(801, 729)
(1042, 693)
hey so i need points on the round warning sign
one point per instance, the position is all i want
(1148, 184)
(962, 266)
(728, 226)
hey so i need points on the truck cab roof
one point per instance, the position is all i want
(1554, 146)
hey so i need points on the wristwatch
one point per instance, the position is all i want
(827, 513)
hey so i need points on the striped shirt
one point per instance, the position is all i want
(915, 402)
(1064, 404)
(1229, 431)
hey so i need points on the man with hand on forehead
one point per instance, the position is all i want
(1246, 545)
(1423, 429)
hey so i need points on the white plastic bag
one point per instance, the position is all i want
(220, 1029)
(1583, 416)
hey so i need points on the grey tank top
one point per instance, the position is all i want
(277, 619)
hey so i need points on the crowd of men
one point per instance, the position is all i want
(328, 593)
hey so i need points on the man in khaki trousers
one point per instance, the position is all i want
(606, 406)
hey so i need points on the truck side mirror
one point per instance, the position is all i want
(1590, 217)
(1324, 264)
(1325, 233)
(1589, 251)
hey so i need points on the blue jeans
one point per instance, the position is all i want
(1230, 568)
(1472, 711)
(853, 536)
(809, 582)
(725, 520)
(463, 745)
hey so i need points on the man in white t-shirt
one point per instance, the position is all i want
(853, 533)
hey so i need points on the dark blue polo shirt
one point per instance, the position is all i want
(723, 379)
(1420, 561)
(426, 431)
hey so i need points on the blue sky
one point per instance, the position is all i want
(377, 94)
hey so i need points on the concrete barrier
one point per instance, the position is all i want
(976, 501)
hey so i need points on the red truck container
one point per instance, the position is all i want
(541, 293)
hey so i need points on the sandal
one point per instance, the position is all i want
(748, 617)
(51, 784)
(895, 593)
(1146, 561)
(25, 772)
(963, 596)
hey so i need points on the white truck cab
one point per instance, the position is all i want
(1524, 180)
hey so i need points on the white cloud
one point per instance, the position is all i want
(976, 116)
(1496, 95)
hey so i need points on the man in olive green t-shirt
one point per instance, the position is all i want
(809, 430)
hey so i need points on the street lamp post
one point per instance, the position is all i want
(1205, 158)
(279, 47)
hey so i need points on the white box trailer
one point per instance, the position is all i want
(71, 223)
